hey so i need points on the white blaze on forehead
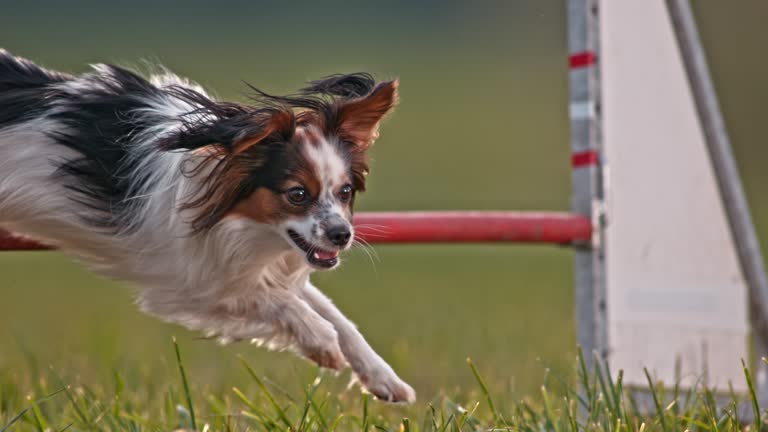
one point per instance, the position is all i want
(329, 164)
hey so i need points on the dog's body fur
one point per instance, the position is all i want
(139, 179)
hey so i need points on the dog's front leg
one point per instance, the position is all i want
(315, 337)
(281, 319)
(372, 371)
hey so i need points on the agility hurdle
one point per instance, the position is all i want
(678, 227)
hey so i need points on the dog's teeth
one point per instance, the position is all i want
(315, 255)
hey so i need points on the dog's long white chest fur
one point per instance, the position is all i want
(218, 212)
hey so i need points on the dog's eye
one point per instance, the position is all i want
(345, 194)
(297, 195)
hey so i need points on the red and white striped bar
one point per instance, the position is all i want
(440, 227)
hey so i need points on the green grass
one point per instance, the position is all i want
(580, 401)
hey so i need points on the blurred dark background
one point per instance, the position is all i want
(482, 125)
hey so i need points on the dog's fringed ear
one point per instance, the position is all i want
(357, 119)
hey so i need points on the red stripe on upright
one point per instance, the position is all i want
(582, 59)
(585, 158)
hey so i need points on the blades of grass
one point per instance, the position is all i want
(218, 406)
(447, 423)
(568, 389)
(80, 413)
(611, 384)
(257, 412)
(534, 418)
(187, 393)
(16, 418)
(42, 424)
(365, 412)
(710, 409)
(676, 388)
(752, 396)
(594, 402)
(309, 392)
(119, 387)
(265, 422)
(700, 424)
(280, 390)
(433, 417)
(570, 408)
(723, 420)
(304, 414)
(608, 395)
(484, 389)
(549, 414)
(584, 375)
(280, 412)
(335, 423)
(620, 396)
(459, 422)
(656, 402)
(467, 416)
(426, 426)
(169, 409)
(20, 415)
(735, 411)
(310, 396)
(319, 413)
(406, 425)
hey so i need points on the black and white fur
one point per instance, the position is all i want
(104, 166)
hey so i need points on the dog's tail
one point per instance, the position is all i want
(17, 73)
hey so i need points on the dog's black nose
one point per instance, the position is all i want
(338, 235)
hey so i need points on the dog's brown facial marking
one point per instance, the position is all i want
(262, 206)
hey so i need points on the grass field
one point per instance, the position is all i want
(482, 125)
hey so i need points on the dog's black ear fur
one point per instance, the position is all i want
(230, 128)
(342, 85)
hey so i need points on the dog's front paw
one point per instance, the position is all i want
(322, 347)
(326, 357)
(387, 386)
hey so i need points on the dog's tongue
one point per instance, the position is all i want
(326, 255)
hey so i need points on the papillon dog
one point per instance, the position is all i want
(218, 212)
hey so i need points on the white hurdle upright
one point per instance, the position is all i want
(673, 279)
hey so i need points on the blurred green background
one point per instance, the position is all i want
(482, 125)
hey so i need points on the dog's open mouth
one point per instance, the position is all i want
(316, 256)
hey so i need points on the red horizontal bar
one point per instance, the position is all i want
(473, 227)
(585, 158)
(439, 227)
(13, 242)
(582, 59)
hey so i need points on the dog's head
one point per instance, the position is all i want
(293, 163)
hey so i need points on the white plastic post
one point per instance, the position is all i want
(676, 288)
(728, 180)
